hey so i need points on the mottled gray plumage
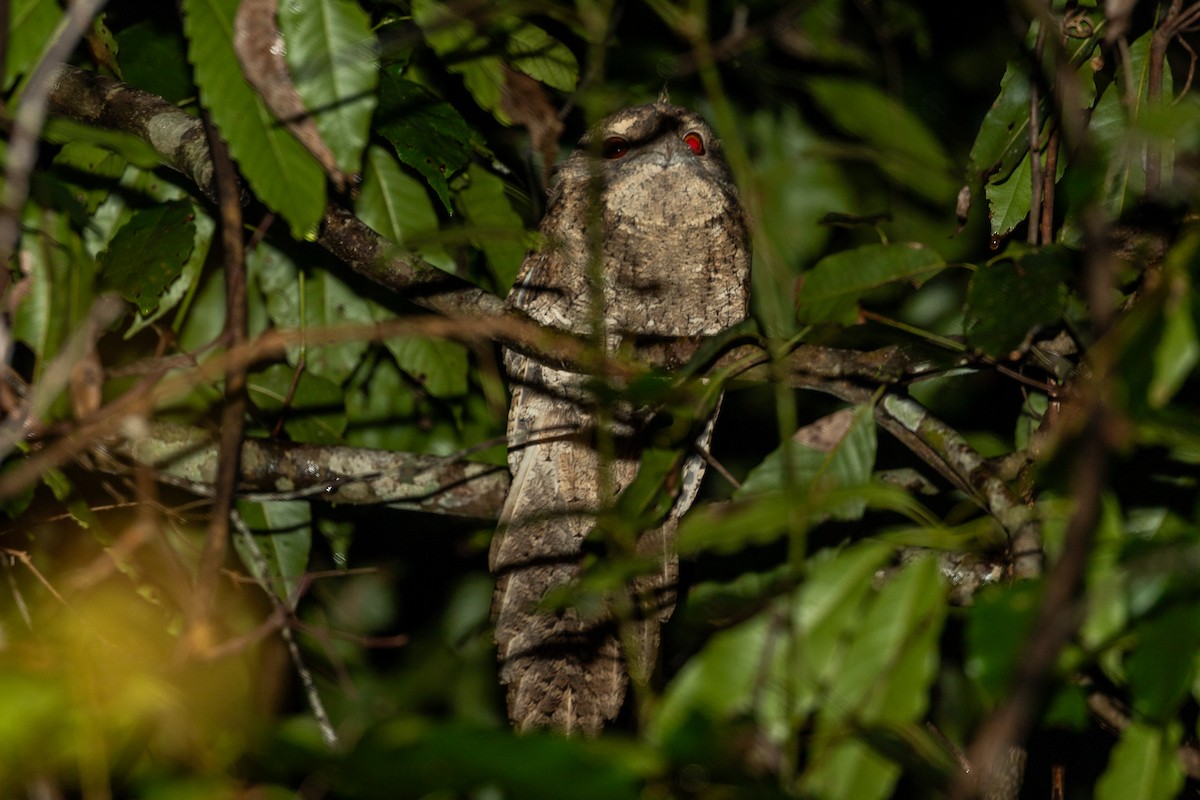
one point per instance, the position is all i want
(672, 259)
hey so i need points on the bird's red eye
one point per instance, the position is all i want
(695, 141)
(614, 147)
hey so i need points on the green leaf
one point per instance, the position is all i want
(31, 25)
(796, 467)
(313, 301)
(1003, 137)
(900, 143)
(1144, 765)
(771, 670)
(495, 228)
(92, 171)
(541, 56)
(1178, 350)
(148, 253)
(311, 406)
(1008, 301)
(280, 171)
(282, 539)
(397, 205)
(56, 285)
(189, 277)
(437, 365)
(428, 134)
(381, 408)
(331, 53)
(154, 59)
(832, 289)
(997, 625)
(480, 55)
(1008, 201)
(1163, 662)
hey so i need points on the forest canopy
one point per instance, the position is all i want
(253, 439)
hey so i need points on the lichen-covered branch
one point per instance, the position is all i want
(187, 457)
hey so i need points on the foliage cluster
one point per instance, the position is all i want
(955, 522)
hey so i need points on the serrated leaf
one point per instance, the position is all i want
(1144, 765)
(331, 52)
(188, 279)
(832, 289)
(31, 25)
(148, 253)
(901, 145)
(280, 171)
(282, 539)
(496, 229)
(427, 133)
(310, 406)
(1008, 300)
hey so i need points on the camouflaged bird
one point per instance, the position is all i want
(644, 238)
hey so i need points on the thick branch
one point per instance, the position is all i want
(187, 457)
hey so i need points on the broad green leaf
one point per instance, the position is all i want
(1008, 301)
(56, 284)
(997, 625)
(280, 171)
(331, 52)
(1008, 201)
(495, 227)
(901, 144)
(92, 171)
(1163, 662)
(439, 366)
(311, 406)
(775, 666)
(397, 205)
(796, 467)
(1178, 350)
(282, 538)
(314, 301)
(465, 51)
(148, 253)
(1003, 137)
(189, 277)
(381, 407)
(884, 679)
(477, 761)
(31, 24)
(1144, 765)
(154, 59)
(427, 133)
(832, 289)
(541, 56)
(480, 55)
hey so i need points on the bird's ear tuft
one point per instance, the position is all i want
(664, 97)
